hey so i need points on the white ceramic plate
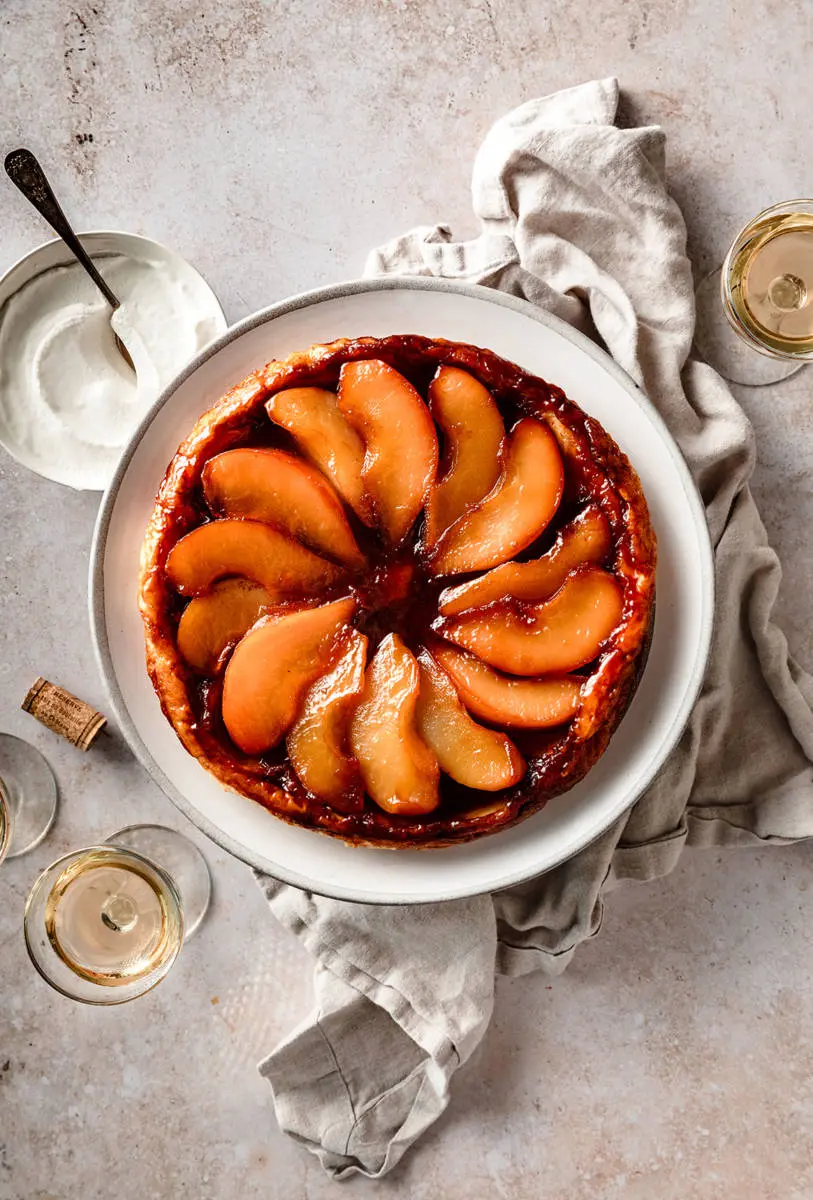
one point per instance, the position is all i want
(99, 244)
(673, 674)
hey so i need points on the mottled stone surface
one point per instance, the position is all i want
(272, 144)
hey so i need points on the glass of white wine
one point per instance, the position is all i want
(761, 299)
(28, 797)
(104, 924)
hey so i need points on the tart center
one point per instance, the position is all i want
(398, 597)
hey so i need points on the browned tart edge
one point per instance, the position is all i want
(591, 456)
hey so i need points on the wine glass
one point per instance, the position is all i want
(104, 924)
(5, 823)
(761, 299)
(27, 797)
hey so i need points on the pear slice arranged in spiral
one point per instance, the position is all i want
(400, 772)
(507, 700)
(212, 623)
(586, 539)
(324, 436)
(553, 637)
(474, 432)
(272, 667)
(277, 487)
(471, 754)
(318, 743)
(252, 550)
(518, 508)
(401, 445)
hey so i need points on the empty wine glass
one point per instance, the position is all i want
(761, 299)
(28, 797)
(104, 924)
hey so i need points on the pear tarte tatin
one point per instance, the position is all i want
(397, 590)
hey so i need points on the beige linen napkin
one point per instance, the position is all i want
(575, 218)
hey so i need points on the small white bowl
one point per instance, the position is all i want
(99, 244)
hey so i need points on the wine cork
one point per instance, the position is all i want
(67, 715)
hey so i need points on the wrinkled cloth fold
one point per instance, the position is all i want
(575, 218)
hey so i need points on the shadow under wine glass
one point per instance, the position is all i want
(105, 923)
(28, 797)
(761, 299)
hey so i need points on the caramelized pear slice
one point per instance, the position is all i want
(311, 415)
(272, 486)
(249, 549)
(212, 623)
(318, 740)
(516, 510)
(586, 539)
(474, 432)
(272, 667)
(401, 445)
(471, 754)
(399, 770)
(515, 703)
(553, 637)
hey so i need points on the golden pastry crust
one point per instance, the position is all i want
(596, 472)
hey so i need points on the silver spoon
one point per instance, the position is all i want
(25, 172)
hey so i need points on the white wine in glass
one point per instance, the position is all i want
(105, 924)
(767, 283)
(766, 288)
(27, 797)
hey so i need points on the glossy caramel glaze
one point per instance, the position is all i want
(397, 595)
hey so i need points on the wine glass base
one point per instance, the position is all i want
(723, 348)
(182, 861)
(31, 793)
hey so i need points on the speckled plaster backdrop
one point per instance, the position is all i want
(272, 144)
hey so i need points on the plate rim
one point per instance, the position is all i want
(96, 591)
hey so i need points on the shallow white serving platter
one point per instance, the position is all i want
(671, 680)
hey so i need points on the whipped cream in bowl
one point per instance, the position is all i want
(68, 400)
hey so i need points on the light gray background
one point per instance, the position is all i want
(272, 144)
